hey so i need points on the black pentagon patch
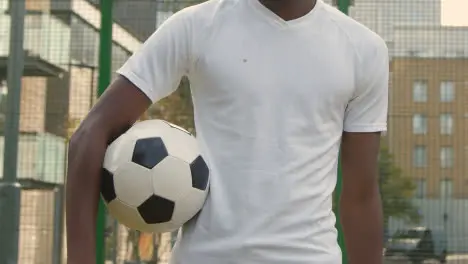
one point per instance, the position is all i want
(156, 210)
(200, 173)
(148, 152)
(107, 186)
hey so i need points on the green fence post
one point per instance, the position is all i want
(343, 6)
(105, 69)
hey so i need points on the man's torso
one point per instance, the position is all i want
(269, 101)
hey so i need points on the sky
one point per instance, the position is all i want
(454, 12)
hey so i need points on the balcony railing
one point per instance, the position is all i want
(41, 157)
(45, 37)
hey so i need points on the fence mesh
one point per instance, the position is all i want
(422, 162)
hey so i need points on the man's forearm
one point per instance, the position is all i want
(363, 229)
(86, 154)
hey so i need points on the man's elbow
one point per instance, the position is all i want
(87, 131)
(78, 139)
(84, 141)
(75, 139)
(87, 146)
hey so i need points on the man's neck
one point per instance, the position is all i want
(289, 9)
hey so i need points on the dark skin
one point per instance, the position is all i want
(123, 103)
(289, 9)
(118, 108)
(360, 204)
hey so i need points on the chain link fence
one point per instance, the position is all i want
(424, 179)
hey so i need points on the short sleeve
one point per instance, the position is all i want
(367, 110)
(163, 59)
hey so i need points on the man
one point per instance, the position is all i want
(277, 87)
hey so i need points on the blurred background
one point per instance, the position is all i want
(423, 174)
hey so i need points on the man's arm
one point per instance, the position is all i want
(150, 74)
(365, 118)
(360, 205)
(116, 111)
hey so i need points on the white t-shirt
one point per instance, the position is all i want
(271, 100)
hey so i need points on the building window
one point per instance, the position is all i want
(446, 157)
(447, 91)
(84, 42)
(420, 188)
(419, 156)
(420, 91)
(446, 124)
(446, 188)
(419, 124)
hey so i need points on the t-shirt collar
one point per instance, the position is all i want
(274, 18)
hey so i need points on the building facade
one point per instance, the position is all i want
(61, 39)
(428, 85)
(60, 80)
(428, 135)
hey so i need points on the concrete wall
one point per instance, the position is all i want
(36, 227)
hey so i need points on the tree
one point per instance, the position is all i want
(396, 190)
(176, 108)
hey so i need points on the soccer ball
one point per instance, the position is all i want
(154, 178)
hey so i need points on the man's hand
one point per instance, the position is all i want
(361, 208)
(121, 105)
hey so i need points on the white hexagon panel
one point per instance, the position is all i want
(132, 184)
(128, 216)
(171, 178)
(188, 206)
(181, 144)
